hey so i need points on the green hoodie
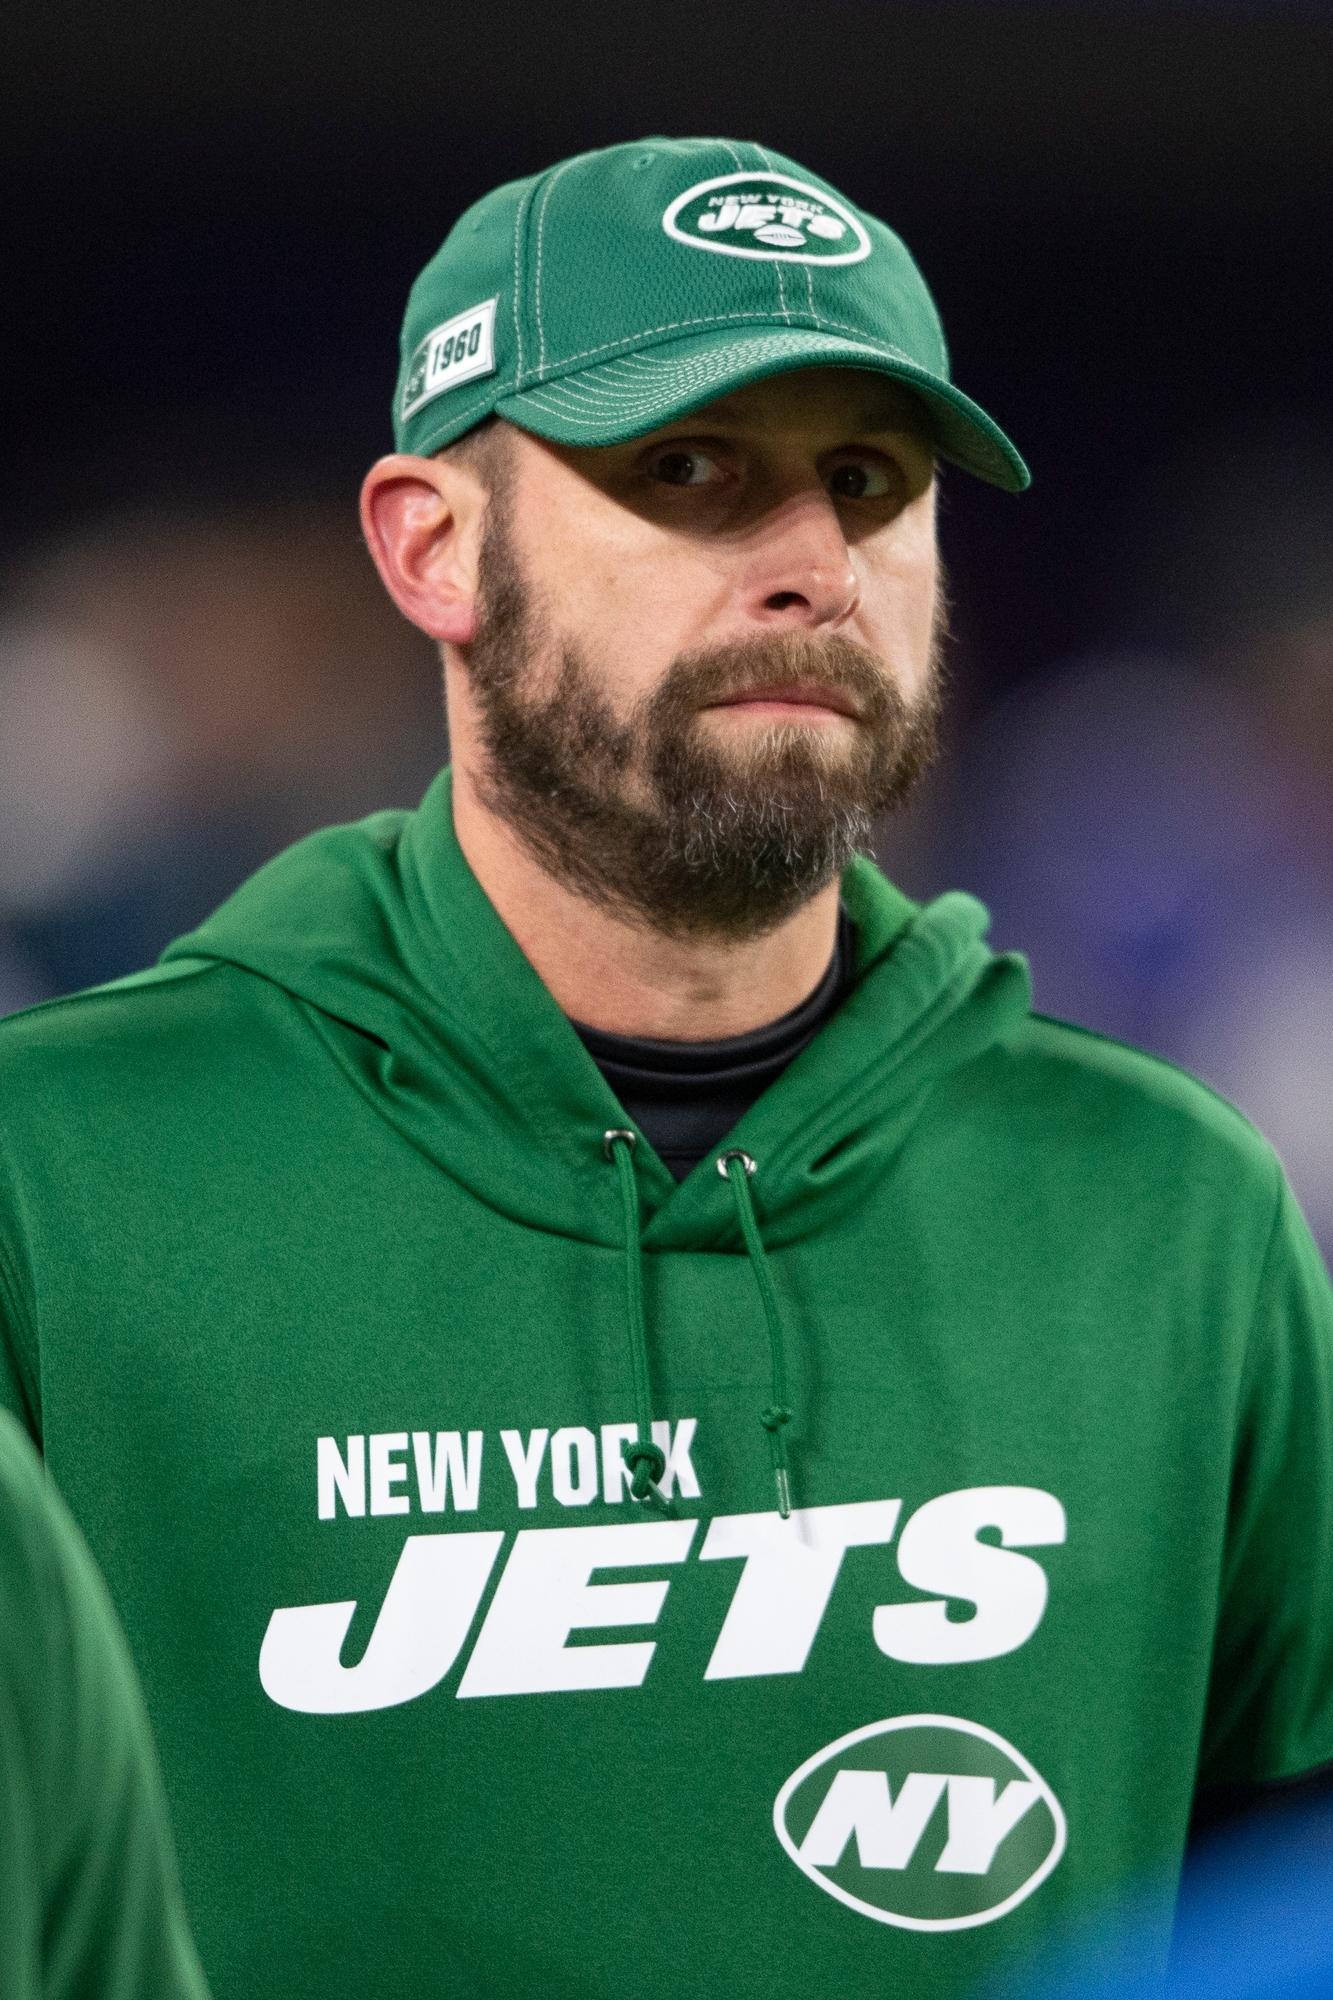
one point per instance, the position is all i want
(338, 1316)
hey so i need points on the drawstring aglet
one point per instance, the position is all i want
(774, 1420)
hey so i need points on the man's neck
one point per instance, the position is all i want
(629, 980)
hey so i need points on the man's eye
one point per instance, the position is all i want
(860, 479)
(678, 467)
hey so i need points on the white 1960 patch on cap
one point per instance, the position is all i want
(459, 350)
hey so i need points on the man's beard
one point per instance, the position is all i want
(655, 819)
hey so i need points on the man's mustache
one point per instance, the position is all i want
(711, 674)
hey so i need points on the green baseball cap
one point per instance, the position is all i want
(622, 288)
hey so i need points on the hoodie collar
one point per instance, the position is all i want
(425, 1000)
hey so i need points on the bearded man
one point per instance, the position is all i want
(653, 1427)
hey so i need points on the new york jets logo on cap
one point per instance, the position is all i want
(767, 215)
(925, 1821)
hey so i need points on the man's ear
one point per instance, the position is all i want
(422, 519)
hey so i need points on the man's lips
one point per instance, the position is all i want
(789, 694)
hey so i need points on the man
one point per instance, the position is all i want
(652, 1426)
(89, 1899)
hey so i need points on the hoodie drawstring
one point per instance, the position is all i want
(777, 1415)
(644, 1459)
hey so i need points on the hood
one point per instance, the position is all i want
(427, 1003)
(382, 932)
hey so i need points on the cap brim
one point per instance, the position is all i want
(634, 393)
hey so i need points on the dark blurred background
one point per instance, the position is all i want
(210, 219)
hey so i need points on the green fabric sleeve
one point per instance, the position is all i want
(19, 1372)
(1271, 1698)
(88, 1887)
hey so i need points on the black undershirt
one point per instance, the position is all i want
(685, 1096)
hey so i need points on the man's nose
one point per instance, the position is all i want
(801, 570)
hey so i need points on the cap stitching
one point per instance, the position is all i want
(697, 368)
(619, 397)
(620, 405)
(650, 361)
(984, 451)
(807, 272)
(655, 364)
(733, 153)
(525, 203)
(777, 268)
(541, 232)
(668, 326)
(720, 319)
(810, 293)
